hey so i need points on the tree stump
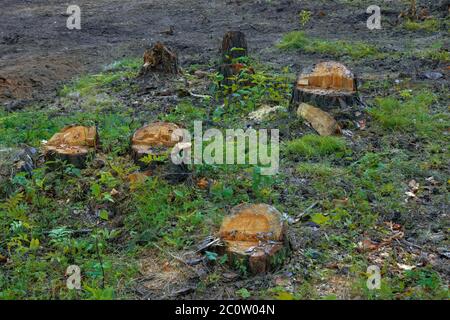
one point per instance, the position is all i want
(72, 144)
(156, 142)
(254, 236)
(234, 45)
(325, 85)
(159, 59)
(154, 139)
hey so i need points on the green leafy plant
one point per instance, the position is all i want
(304, 17)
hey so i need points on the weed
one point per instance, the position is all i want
(304, 17)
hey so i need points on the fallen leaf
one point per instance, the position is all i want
(368, 245)
(202, 183)
(230, 275)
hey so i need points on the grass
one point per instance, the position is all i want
(298, 40)
(429, 25)
(93, 84)
(318, 170)
(410, 114)
(311, 145)
(437, 52)
(29, 127)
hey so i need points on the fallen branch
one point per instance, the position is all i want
(301, 215)
(195, 95)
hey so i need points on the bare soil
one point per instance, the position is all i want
(38, 52)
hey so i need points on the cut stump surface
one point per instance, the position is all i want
(73, 144)
(254, 234)
(326, 85)
(153, 139)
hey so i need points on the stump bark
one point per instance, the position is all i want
(72, 144)
(254, 235)
(159, 59)
(325, 85)
(234, 45)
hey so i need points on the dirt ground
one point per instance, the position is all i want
(38, 52)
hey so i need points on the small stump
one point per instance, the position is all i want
(159, 59)
(326, 85)
(254, 235)
(155, 142)
(72, 144)
(234, 46)
(154, 139)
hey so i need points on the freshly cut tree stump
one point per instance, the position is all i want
(320, 120)
(159, 59)
(154, 139)
(254, 235)
(326, 85)
(72, 144)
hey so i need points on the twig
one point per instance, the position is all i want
(203, 96)
(174, 256)
(301, 215)
(206, 246)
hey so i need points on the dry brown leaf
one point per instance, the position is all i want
(368, 245)
(202, 183)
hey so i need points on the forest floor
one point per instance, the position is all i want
(376, 196)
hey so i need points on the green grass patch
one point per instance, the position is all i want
(410, 114)
(312, 145)
(93, 84)
(30, 127)
(429, 25)
(299, 40)
(437, 51)
(318, 170)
